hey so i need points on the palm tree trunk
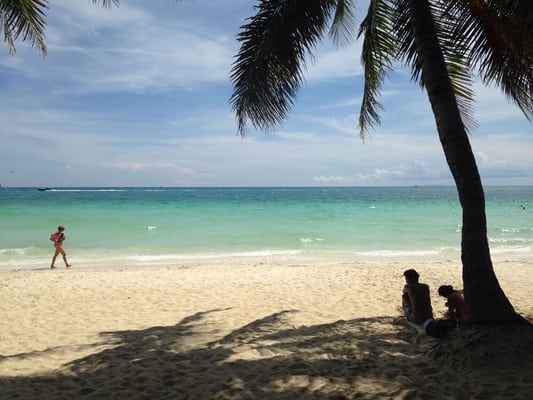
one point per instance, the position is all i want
(485, 299)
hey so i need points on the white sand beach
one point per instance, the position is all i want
(250, 331)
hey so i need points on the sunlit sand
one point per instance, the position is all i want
(247, 331)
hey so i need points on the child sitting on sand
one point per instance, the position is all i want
(456, 303)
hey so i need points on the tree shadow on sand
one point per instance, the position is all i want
(364, 358)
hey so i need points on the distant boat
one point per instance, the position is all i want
(42, 189)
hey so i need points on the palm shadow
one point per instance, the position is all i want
(367, 358)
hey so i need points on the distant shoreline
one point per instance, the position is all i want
(499, 261)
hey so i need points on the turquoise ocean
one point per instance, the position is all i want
(147, 227)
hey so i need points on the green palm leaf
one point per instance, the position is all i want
(269, 68)
(498, 35)
(25, 19)
(379, 51)
(344, 25)
(453, 51)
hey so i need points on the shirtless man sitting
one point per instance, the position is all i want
(416, 301)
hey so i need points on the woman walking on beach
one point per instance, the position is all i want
(58, 238)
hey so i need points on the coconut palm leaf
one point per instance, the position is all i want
(498, 35)
(25, 19)
(457, 63)
(378, 53)
(275, 44)
(107, 3)
(344, 24)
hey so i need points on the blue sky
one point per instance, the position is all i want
(139, 96)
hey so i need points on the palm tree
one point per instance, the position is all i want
(27, 19)
(441, 41)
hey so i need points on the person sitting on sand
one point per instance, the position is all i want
(58, 238)
(416, 301)
(457, 308)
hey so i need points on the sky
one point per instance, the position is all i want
(139, 96)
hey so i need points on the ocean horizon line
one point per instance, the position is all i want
(55, 187)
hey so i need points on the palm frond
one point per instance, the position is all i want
(26, 19)
(268, 70)
(8, 36)
(457, 64)
(107, 3)
(379, 50)
(453, 51)
(344, 24)
(499, 36)
(407, 50)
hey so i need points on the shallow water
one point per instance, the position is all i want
(147, 226)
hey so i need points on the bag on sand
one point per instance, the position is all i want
(438, 328)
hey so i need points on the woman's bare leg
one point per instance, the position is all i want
(54, 259)
(64, 257)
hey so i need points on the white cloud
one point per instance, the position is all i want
(128, 49)
(152, 166)
(334, 180)
(139, 96)
(492, 106)
(335, 63)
